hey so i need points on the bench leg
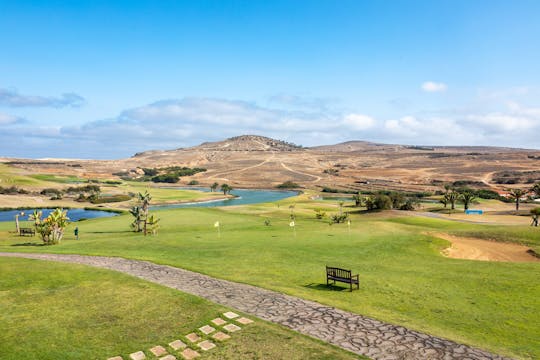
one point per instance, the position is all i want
(350, 286)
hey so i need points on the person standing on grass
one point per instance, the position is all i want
(76, 232)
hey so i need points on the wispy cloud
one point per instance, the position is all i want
(7, 119)
(431, 86)
(174, 123)
(12, 98)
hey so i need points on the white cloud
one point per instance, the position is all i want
(6, 119)
(431, 86)
(359, 121)
(13, 99)
(169, 124)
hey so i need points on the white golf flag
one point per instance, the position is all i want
(291, 224)
(216, 224)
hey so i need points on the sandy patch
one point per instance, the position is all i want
(484, 250)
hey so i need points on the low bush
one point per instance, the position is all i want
(13, 190)
(288, 185)
(108, 199)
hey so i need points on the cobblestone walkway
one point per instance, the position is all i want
(356, 333)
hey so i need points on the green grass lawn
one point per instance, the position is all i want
(404, 279)
(65, 311)
(167, 195)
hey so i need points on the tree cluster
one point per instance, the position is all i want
(51, 229)
(453, 195)
(225, 188)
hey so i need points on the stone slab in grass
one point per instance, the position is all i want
(158, 350)
(232, 328)
(220, 336)
(219, 321)
(189, 354)
(193, 337)
(230, 315)
(168, 357)
(244, 321)
(115, 358)
(177, 345)
(207, 329)
(139, 355)
(206, 345)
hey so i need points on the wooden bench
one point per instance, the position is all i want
(27, 231)
(341, 275)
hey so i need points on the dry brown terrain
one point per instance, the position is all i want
(255, 161)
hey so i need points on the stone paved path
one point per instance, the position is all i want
(356, 333)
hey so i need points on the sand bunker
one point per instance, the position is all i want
(477, 249)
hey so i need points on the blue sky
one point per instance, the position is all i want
(108, 79)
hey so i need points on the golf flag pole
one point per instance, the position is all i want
(349, 226)
(217, 224)
(293, 225)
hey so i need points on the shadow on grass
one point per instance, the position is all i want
(28, 244)
(109, 232)
(324, 287)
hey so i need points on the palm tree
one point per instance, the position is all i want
(535, 213)
(517, 194)
(153, 222)
(467, 197)
(58, 221)
(340, 203)
(226, 189)
(451, 197)
(145, 201)
(137, 213)
(536, 190)
(213, 187)
(292, 206)
(357, 198)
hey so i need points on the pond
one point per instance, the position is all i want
(243, 197)
(73, 214)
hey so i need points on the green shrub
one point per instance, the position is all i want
(51, 192)
(167, 178)
(13, 190)
(94, 199)
(288, 185)
(319, 213)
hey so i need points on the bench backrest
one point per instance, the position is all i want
(338, 272)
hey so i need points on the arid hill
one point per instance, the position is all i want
(258, 161)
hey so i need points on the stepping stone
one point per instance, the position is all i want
(220, 336)
(207, 329)
(244, 321)
(139, 355)
(177, 345)
(168, 357)
(158, 350)
(230, 315)
(232, 328)
(115, 358)
(206, 345)
(219, 321)
(189, 354)
(193, 337)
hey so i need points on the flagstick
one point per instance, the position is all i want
(294, 229)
